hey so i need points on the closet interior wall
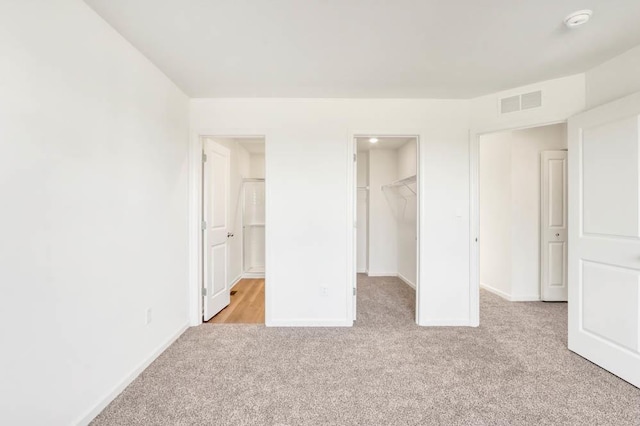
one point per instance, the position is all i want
(387, 211)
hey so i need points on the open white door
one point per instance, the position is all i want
(216, 172)
(604, 237)
(553, 226)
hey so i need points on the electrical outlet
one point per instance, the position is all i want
(324, 291)
(147, 318)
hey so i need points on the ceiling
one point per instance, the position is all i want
(367, 48)
(363, 144)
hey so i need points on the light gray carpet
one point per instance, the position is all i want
(514, 369)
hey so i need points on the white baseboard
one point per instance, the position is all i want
(364, 271)
(509, 297)
(494, 290)
(382, 274)
(235, 281)
(310, 323)
(252, 275)
(525, 298)
(406, 281)
(97, 409)
(454, 322)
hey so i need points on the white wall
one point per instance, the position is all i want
(383, 226)
(510, 208)
(618, 77)
(407, 161)
(257, 166)
(406, 216)
(308, 160)
(525, 195)
(93, 169)
(495, 212)
(240, 163)
(362, 212)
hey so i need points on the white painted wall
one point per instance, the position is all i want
(618, 77)
(510, 208)
(383, 226)
(240, 164)
(257, 166)
(407, 161)
(308, 193)
(495, 212)
(362, 212)
(93, 170)
(406, 217)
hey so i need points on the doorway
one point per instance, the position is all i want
(522, 224)
(386, 198)
(233, 229)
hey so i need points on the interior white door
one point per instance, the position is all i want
(354, 218)
(361, 231)
(604, 237)
(553, 226)
(216, 187)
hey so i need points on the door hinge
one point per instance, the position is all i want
(204, 291)
(354, 291)
(355, 158)
(203, 225)
(204, 157)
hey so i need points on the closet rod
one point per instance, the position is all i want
(253, 179)
(402, 182)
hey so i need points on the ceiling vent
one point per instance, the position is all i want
(521, 102)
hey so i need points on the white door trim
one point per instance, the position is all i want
(474, 211)
(351, 209)
(195, 217)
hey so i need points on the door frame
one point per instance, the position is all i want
(474, 210)
(351, 211)
(195, 217)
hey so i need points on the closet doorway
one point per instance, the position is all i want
(233, 200)
(386, 229)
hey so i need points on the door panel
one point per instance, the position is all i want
(609, 302)
(604, 248)
(216, 188)
(609, 169)
(553, 238)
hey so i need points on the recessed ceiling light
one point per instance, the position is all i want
(373, 140)
(578, 18)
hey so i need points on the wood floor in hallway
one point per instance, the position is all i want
(247, 304)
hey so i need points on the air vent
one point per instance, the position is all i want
(531, 100)
(511, 104)
(521, 102)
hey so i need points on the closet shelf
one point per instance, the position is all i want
(249, 225)
(402, 183)
(363, 188)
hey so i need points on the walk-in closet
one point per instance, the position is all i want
(387, 212)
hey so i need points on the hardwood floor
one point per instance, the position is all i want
(247, 304)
